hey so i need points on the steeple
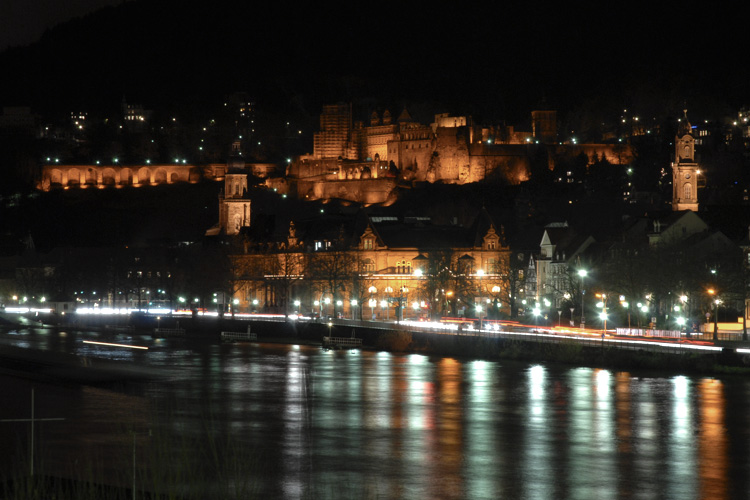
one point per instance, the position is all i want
(684, 168)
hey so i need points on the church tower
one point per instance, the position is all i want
(684, 169)
(234, 207)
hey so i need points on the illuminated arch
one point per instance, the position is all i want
(144, 175)
(91, 176)
(126, 177)
(160, 176)
(74, 177)
(55, 177)
(108, 177)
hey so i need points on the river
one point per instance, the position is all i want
(253, 420)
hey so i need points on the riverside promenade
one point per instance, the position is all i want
(461, 338)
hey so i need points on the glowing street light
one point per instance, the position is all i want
(582, 273)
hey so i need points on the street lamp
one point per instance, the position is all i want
(537, 311)
(480, 273)
(680, 323)
(582, 273)
(715, 307)
(603, 314)
(400, 314)
(354, 306)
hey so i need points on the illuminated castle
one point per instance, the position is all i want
(365, 163)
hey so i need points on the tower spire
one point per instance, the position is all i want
(684, 168)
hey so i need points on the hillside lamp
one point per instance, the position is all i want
(582, 273)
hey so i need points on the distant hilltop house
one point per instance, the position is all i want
(364, 163)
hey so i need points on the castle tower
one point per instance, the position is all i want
(234, 208)
(544, 126)
(684, 169)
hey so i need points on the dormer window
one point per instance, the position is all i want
(367, 244)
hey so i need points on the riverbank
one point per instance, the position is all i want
(397, 339)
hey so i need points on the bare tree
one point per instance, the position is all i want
(331, 272)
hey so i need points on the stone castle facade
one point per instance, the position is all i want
(364, 163)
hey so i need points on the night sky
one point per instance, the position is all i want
(494, 60)
(23, 21)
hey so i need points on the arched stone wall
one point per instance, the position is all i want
(160, 176)
(144, 176)
(56, 177)
(92, 177)
(194, 174)
(126, 177)
(116, 176)
(109, 177)
(74, 177)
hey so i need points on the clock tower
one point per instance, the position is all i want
(684, 169)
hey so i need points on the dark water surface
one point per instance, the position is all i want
(285, 421)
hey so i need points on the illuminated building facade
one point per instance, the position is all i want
(379, 267)
(559, 250)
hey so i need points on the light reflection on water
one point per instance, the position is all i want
(351, 424)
